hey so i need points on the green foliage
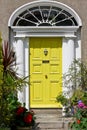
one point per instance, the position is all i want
(9, 83)
(76, 75)
(84, 98)
(4, 128)
(79, 94)
(13, 103)
(80, 122)
(75, 80)
(1, 63)
(62, 99)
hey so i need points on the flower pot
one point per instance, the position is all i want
(24, 128)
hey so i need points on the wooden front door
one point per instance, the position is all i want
(45, 71)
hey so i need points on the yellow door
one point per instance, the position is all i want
(45, 71)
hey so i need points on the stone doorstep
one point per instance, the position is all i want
(48, 117)
(54, 126)
(48, 111)
(52, 129)
(49, 129)
(59, 124)
(51, 125)
(51, 120)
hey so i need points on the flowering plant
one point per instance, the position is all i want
(24, 118)
(80, 122)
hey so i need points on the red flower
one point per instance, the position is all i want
(20, 110)
(28, 118)
(78, 121)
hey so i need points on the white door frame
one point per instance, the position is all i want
(19, 37)
(21, 44)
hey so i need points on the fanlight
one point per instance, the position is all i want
(45, 16)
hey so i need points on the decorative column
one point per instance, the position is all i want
(78, 44)
(19, 49)
(68, 53)
(26, 46)
(68, 58)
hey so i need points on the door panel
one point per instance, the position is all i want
(45, 71)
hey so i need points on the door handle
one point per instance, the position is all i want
(46, 76)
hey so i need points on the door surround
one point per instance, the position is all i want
(19, 37)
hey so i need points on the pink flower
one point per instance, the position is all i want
(80, 104)
(85, 107)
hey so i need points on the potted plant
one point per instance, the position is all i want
(23, 119)
(20, 117)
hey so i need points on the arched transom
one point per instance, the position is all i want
(45, 16)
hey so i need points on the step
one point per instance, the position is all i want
(47, 111)
(51, 125)
(51, 119)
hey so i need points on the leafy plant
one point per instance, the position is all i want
(80, 122)
(76, 75)
(77, 95)
(10, 81)
(75, 83)
(84, 98)
(23, 117)
(62, 99)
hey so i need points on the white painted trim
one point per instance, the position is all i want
(45, 35)
(19, 47)
(68, 52)
(45, 31)
(43, 2)
(26, 66)
(68, 56)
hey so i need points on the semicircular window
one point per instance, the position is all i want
(45, 16)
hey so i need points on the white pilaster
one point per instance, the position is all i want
(26, 46)
(78, 45)
(68, 53)
(68, 58)
(19, 49)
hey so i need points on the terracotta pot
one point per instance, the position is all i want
(24, 128)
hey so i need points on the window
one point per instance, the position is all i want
(45, 16)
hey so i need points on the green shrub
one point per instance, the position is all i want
(62, 99)
(9, 83)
